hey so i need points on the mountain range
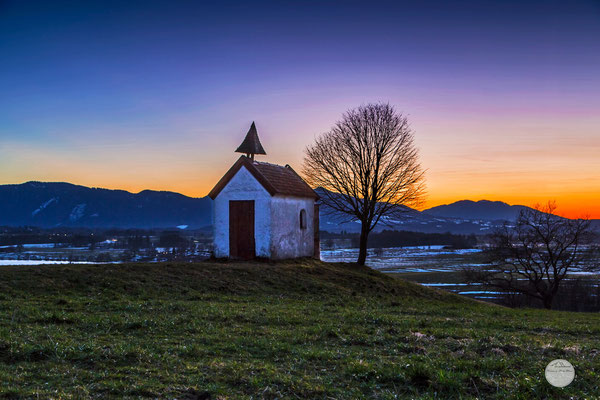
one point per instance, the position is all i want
(50, 205)
(482, 209)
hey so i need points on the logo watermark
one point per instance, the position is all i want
(560, 373)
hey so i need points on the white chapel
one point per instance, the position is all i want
(263, 210)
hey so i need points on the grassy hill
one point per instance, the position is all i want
(301, 329)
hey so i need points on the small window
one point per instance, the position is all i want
(302, 219)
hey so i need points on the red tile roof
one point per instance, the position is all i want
(276, 179)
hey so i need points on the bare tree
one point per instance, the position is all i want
(369, 167)
(534, 256)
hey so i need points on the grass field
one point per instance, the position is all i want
(301, 329)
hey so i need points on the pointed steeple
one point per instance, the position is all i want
(251, 144)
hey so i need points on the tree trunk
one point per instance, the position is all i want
(548, 302)
(362, 247)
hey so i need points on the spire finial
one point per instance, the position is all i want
(251, 144)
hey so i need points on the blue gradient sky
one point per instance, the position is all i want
(504, 97)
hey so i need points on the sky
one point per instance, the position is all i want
(503, 96)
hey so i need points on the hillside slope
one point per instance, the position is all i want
(301, 329)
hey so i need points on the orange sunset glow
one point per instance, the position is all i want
(509, 115)
(530, 164)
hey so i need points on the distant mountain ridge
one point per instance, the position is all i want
(461, 217)
(59, 204)
(482, 209)
(51, 205)
(448, 218)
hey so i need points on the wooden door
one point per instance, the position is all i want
(241, 229)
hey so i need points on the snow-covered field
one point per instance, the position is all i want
(33, 246)
(436, 267)
(38, 262)
(439, 260)
(407, 259)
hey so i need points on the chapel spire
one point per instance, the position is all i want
(251, 144)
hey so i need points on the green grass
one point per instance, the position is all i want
(301, 329)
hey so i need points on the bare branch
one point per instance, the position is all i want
(368, 165)
(535, 255)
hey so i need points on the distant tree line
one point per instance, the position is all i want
(131, 239)
(173, 239)
(394, 238)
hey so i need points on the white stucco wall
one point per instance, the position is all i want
(288, 240)
(243, 186)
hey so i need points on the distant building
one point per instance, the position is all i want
(263, 210)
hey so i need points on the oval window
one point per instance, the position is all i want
(302, 219)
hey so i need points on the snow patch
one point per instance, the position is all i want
(77, 212)
(444, 284)
(40, 262)
(31, 245)
(46, 204)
